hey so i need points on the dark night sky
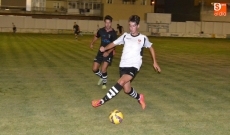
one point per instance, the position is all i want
(181, 10)
(178, 5)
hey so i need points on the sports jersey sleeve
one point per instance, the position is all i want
(147, 43)
(120, 40)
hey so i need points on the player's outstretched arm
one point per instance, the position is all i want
(109, 46)
(94, 39)
(106, 53)
(155, 65)
(118, 41)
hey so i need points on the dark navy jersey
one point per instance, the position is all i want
(76, 27)
(106, 37)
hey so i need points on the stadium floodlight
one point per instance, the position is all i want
(152, 2)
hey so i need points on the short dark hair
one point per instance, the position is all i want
(108, 17)
(134, 18)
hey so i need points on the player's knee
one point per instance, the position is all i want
(104, 67)
(103, 70)
(126, 91)
(121, 82)
(94, 70)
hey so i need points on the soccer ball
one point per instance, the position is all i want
(116, 117)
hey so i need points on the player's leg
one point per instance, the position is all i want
(76, 35)
(126, 76)
(104, 74)
(131, 92)
(95, 69)
(113, 91)
(106, 62)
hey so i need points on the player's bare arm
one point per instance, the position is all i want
(155, 65)
(94, 39)
(106, 53)
(110, 46)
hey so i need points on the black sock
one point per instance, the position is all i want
(98, 73)
(111, 93)
(104, 77)
(134, 94)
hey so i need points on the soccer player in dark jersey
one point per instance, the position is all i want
(14, 28)
(131, 61)
(120, 29)
(104, 59)
(76, 29)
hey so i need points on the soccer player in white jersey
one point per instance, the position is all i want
(130, 63)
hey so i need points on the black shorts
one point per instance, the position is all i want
(99, 58)
(132, 71)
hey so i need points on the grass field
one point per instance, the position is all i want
(46, 88)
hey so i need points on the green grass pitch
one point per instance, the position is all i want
(46, 88)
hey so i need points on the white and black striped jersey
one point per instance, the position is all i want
(132, 50)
